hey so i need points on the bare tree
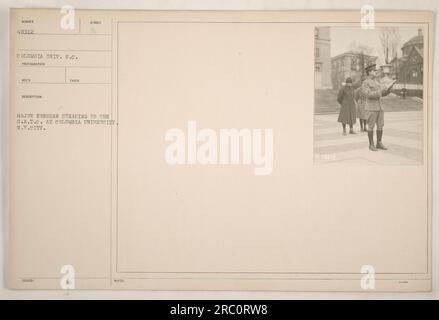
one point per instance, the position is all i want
(390, 40)
(395, 42)
(363, 51)
(360, 48)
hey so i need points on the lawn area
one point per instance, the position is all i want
(326, 102)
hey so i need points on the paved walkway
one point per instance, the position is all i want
(403, 136)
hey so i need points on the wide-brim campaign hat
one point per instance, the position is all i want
(370, 67)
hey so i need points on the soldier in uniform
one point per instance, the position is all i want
(373, 92)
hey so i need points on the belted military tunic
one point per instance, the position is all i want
(373, 91)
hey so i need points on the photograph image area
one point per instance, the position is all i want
(369, 95)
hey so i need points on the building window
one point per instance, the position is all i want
(316, 52)
(316, 33)
(354, 64)
(317, 68)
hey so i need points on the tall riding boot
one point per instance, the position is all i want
(371, 143)
(379, 143)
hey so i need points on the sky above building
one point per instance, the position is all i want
(345, 38)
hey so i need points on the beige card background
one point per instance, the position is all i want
(103, 199)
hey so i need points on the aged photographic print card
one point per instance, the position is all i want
(220, 150)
